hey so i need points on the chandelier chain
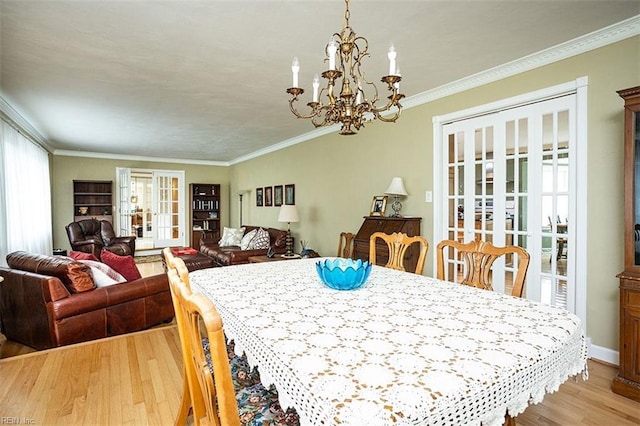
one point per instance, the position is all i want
(347, 13)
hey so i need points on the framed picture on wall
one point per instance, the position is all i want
(378, 205)
(290, 194)
(277, 195)
(259, 200)
(268, 196)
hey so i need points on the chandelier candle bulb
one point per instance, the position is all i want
(316, 85)
(392, 59)
(295, 68)
(332, 48)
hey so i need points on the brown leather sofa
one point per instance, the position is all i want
(41, 306)
(234, 255)
(91, 235)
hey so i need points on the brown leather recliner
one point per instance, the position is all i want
(92, 235)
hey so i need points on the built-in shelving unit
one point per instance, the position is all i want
(205, 212)
(93, 199)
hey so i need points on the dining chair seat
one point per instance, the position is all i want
(398, 243)
(257, 405)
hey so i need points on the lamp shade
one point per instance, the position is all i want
(396, 187)
(288, 213)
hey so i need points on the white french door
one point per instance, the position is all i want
(509, 176)
(163, 218)
(123, 176)
(168, 211)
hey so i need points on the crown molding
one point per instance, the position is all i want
(600, 38)
(7, 111)
(321, 131)
(87, 154)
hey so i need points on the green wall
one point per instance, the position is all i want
(65, 169)
(336, 176)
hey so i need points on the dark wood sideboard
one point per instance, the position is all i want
(388, 225)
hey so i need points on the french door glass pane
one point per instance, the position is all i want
(555, 207)
(168, 208)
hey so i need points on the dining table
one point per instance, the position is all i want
(403, 349)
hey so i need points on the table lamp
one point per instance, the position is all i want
(288, 213)
(396, 188)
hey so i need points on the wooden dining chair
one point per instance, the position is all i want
(176, 264)
(398, 243)
(202, 338)
(211, 391)
(479, 257)
(345, 246)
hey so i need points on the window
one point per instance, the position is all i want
(25, 195)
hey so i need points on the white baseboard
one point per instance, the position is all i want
(602, 354)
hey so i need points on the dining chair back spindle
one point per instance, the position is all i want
(345, 246)
(397, 244)
(479, 257)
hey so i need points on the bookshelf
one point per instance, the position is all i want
(93, 199)
(205, 211)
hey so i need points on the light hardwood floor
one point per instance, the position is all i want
(136, 379)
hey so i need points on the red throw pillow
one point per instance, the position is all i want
(124, 265)
(80, 255)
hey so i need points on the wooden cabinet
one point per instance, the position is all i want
(93, 199)
(388, 225)
(627, 382)
(205, 212)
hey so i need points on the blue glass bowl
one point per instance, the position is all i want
(343, 274)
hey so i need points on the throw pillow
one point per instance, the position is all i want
(80, 255)
(124, 265)
(80, 276)
(231, 237)
(103, 275)
(261, 241)
(246, 240)
(75, 276)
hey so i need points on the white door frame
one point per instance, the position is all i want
(577, 87)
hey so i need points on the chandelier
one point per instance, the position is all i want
(356, 102)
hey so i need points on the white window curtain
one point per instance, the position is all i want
(25, 195)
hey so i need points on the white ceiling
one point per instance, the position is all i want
(206, 80)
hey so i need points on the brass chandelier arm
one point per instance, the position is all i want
(394, 100)
(299, 115)
(392, 119)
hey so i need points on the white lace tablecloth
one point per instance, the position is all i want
(403, 349)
